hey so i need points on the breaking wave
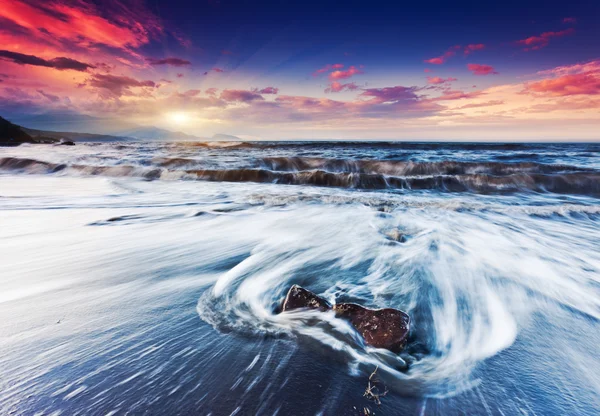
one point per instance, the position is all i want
(445, 176)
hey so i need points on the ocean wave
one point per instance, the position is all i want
(482, 178)
(408, 168)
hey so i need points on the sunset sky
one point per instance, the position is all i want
(461, 70)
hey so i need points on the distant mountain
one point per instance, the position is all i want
(225, 138)
(154, 133)
(13, 135)
(67, 125)
(74, 136)
(73, 122)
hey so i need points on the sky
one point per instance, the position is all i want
(436, 70)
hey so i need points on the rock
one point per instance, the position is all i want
(396, 235)
(67, 142)
(298, 298)
(12, 134)
(381, 328)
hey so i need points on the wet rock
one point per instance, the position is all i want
(396, 235)
(381, 328)
(67, 143)
(299, 298)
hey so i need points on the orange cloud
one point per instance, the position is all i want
(439, 80)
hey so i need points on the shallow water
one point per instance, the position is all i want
(134, 281)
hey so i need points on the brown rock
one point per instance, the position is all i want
(381, 328)
(298, 297)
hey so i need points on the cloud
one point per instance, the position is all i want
(427, 70)
(339, 87)
(538, 42)
(569, 20)
(60, 63)
(219, 70)
(472, 47)
(211, 91)
(178, 62)
(478, 69)
(438, 80)
(390, 94)
(117, 86)
(479, 105)
(191, 93)
(266, 90)
(326, 68)
(348, 73)
(240, 96)
(586, 83)
(50, 97)
(450, 95)
(439, 60)
(118, 24)
(226, 52)
(591, 66)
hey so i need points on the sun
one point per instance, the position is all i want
(179, 118)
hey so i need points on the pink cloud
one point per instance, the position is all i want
(439, 60)
(478, 69)
(348, 73)
(586, 83)
(240, 96)
(591, 66)
(472, 47)
(569, 20)
(211, 91)
(456, 95)
(427, 70)
(339, 87)
(179, 75)
(169, 61)
(191, 93)
(538, 42)
(327, 68)
(119, 25)
(479, 105)
(218, 70)
(439, 80)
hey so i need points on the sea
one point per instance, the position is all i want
(145, 278)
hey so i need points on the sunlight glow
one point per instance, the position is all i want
(179, 118)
